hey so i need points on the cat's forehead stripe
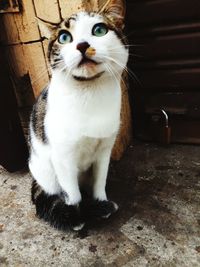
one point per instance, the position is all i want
(67, 22)
(74, 18)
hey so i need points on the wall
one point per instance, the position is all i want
(166, 61)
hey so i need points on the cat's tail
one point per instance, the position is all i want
(55, 211)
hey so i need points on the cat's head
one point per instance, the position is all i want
(89, 44)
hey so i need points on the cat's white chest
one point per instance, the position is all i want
(84, 112)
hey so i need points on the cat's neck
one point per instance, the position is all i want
(70, 83)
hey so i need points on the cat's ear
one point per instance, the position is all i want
(115, 10)
(46, 28)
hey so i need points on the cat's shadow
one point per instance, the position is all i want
(120, 189)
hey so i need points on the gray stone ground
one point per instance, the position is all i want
(158, 224)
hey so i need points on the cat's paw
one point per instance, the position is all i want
(112, 208)
(75, 219)
(104, 208)
(78, 227)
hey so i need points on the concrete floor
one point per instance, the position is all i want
(158, 224)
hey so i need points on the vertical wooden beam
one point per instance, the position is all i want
(47, 10)
(125, 132)
(70, 7)
(28, 60)
(20, 27)
(25, 52)
(38, 72)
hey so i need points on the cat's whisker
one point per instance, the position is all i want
(58, 64)
(42, 73)
(130, 33)
(40, 76)
(119, 76)
(130, 72)
(130, 54)
(113, 75)
(68, 73)
(122, 46)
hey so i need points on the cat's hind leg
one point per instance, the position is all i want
(43, 172)
(47, 195)
(52, 209)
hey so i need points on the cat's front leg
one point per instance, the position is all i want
(104, 207)
(67, 175)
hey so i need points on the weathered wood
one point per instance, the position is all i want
(47, 10)
(70, 7)
(20, 27)
(28, 60)
(125, 132)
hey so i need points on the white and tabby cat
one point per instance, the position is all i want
(75, 120)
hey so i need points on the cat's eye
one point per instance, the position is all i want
(100, 29)
(64, 37)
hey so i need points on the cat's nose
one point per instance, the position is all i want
(82, 47)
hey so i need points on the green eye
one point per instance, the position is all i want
(64, 37)
(100, 29)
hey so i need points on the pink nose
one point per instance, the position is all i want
(82, 47)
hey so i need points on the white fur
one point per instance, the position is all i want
(82, 118)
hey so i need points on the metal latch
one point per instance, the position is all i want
(165, 134)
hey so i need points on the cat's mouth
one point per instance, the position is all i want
(85, 61)
(82, 78)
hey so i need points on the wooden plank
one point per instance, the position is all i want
(19, 74)
(168, 46)
(161, 11)
(47, 10)
(51, 14)
(70, 7)
(193, 62)
(125, 132)
(168, 80)
(161, 30)
(45, 44)
(20, 27)
(37, 67)
(28, 60)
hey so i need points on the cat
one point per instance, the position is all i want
(75, 120)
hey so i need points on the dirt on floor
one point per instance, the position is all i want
(158, 223)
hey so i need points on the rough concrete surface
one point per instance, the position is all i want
(158, 224)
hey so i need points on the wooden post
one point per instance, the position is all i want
(125, 132)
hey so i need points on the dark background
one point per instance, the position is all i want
(166, 65)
